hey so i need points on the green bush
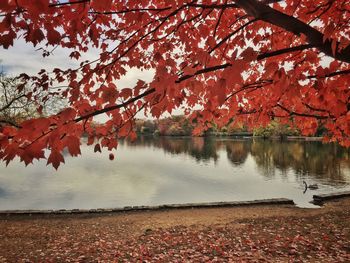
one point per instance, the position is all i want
(276, 129)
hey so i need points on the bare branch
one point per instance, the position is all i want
(8, 105)
(10, 123)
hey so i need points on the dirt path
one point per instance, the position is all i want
(239, 234)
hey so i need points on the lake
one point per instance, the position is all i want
(165, 170)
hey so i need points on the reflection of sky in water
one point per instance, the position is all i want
(176, 171)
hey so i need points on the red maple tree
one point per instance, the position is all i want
(246, 60)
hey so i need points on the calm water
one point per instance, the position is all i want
(178, 170)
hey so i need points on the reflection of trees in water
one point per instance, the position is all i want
(237, 151)
(270, 155)
(202, 149)
(321, 161)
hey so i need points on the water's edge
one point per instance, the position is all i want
(317, 199)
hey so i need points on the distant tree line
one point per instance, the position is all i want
(181, 126)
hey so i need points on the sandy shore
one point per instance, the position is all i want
(270, 233)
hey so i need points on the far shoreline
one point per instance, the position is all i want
(238, 135)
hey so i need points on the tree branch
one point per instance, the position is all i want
(333, 74)
(204, 70)
(69, 3)
(10, 123)
(283, 51)
(231, 34)
(131, 10)
(265, 13)
(11, 102)
(118, 106)
(291, 113)
(224, 6)
(249, 86)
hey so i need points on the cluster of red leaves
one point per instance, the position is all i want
(265, 243)
(249, 61)
(321, 238)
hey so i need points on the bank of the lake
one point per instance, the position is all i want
(273, 233)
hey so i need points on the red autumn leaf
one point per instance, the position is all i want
(232, 74)
(111, 156)
(156, 112)
(125, 93)
(55, 158)
(53, 37)
(67, 114)
(334, 47)
(249, 54)
(132, 136)
(91, 140)
(271, 69)
(7, 39)
(109, 94)
(36, 36)
(220, 91)
(328, 31)
(75, 54)
(99, 5)
(34, 151)
(73, 145)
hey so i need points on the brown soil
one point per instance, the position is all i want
(239, 234)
